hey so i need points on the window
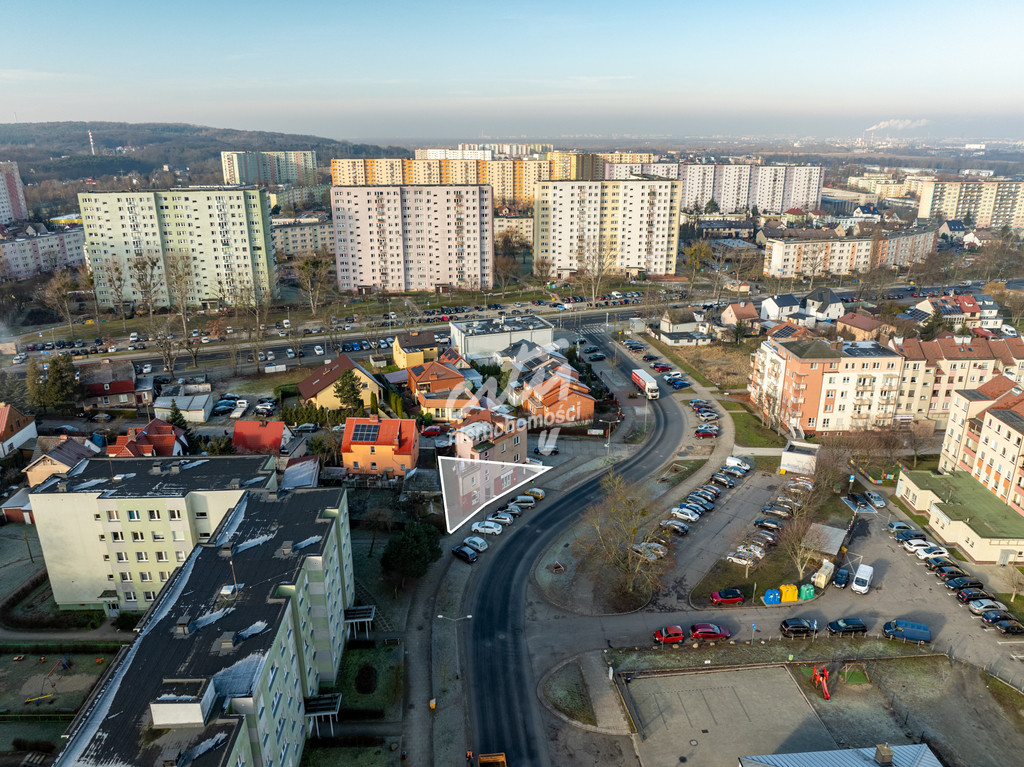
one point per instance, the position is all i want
(154, 515)
(133, 515)
(117, 536)
(122, 556)
(129, 596)
(138, 536)
(161, 556)
(179, 556)
(149, 596)
(126, 577)
(200, 515)
(112, 515)
(174, 515)
(146, 577)
(141, 556)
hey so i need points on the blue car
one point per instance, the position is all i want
(680, 384)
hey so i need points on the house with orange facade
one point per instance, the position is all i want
(488, 435)
(441, 390)
(387, 447)
(559, 400)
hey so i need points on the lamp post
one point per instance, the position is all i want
(456, 622)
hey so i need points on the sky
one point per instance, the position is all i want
(399, 69)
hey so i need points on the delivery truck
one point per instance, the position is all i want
(646, 383)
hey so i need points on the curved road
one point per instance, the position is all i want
(502, 690)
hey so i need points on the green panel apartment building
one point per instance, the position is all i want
(221, 233)
(227, 665)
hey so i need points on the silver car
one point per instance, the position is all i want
(476, 543)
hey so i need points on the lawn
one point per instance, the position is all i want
(732, 407)
(773, 571)
(750, 432)
(566, 690)
(353, 756)
(680, 470)
(726, 366)
(769, 464)
(372, 680)
(264, 384)
(59, 690)
(920, 519)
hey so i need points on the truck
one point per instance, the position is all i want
(241, 406)
(646, 383)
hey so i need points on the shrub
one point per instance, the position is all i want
(366, 679)
(127, 621)
(42, 746)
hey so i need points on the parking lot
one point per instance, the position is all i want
(707, 720)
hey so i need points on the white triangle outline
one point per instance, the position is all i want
(538, 471)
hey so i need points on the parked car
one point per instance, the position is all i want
(932, 551)
(705, 434)
(875, 499)
(464, 553)
(591, 350)
(753, 549)
(502, 518)
(431, 431)
(966, 596)
(476, 543)
(674, 526)
(1009, 627)
(306, 428)
(917, 544)
(709, 631)
(995, 616)
(955, 584)
(777, 511)
(741, 558)
(487, 528)
(768, 524)
(685, 513)
(597, 357)
(841, 579)
(909, 535)
(896, 527)
(678, 384)
(723, 480)
(670, 635)
(727, 597)
(798, 627)
(847, 627)
(548, 450)
(764, 537)
(733, 471)
(934, 563)
(318, 350)
(649, 550)
(908, 631)
(982, 606)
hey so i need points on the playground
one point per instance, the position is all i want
(48, 684)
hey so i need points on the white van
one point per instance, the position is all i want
(862, 579)
(286, 324)
(737, 462)
(616, 294)
(133, 337)
(1009, 331)
(526, 501)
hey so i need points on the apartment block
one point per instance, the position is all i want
(735, 188)
(992, 204)
(30, 249)
(984, 438)
(401, 238)
(793, 257)
(227, 664)
(934, 371)
(453, 154)
(303, 238)
(636, 223)
(269, 167)
(112, 531)
(12, 194)
(225, 231)
(298, 197)
(813, 386)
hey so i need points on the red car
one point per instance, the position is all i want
(670, 634)
(727, 597)
(708, 631)
(705, 434)
(431, 431)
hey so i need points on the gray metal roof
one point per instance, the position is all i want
(914, 755)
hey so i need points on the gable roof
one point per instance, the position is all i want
(397, 433)
(67, 451)
(785, 299)
(156, 438)
(328, 374)
(860, 321)
(789, 331)
(258, 436)
(12, 420)
(954, 225)
(106, 371)
(823, 297)
(743, 310)
(433, 371)
(812, 348)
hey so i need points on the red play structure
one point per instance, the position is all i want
(821, 680)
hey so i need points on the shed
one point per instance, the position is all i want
(196, 408)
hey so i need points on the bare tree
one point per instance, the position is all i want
(87, 280)
(1016, 578)
(56, 294)
(144, 273)
(915, 437)
(506, 269)
(510, 244)
(542, 268)
(116, 277)
(696, 254)
(596, 263)
(180, 275)
(813, 265)
(795, 543)
(313, 273)
(380, 519)
(612, 526)
(1013, 302)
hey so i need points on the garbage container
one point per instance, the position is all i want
(806, 591)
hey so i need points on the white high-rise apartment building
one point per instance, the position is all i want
(453, 154)
(990, 203)
(224, 230)
(12, 194)
(637, 221)
(772, 188)
(398, 238)
(297, 167)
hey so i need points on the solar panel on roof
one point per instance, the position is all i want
(365, 432)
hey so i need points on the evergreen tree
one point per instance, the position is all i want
(346, 389)
(374, 406)
(177, 418)
(711, 206)
(62, 390)
(219, 445)
(411, 553)
(35, 388)
(13, 391)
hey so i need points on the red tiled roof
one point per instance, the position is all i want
(398, 433)
(327, 375)
(113, 387)
(258, 436)
(156, 438)
(12, 420)
(744, 311)
(860, 321)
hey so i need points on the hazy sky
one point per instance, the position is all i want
(393, 68)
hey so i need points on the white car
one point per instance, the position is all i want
(147, 369)
(751, 548)
(741, 558)
(476, 543)
(487, 528)
(672, 375)
(979, 606)
(649, 550)
(932, 551)
(914, 545)
(501, 518)
(111, 349)
(318, 350)
(270, 356)
(289, 353)
(685, 514)
(875, 499)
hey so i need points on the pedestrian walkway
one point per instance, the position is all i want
(603, 695)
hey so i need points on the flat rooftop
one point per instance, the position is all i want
(970, 502)
(204, 630)
(509, 324)
(162, 477)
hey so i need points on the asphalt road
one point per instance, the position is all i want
(504, 714)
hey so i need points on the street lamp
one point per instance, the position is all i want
(456, 621)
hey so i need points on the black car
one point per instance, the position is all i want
(465, 553)
(547, 451)
(596, 357)
(847, 627)
(764, 538)
(858, 500)
(797, 627)
(777, 511)
(910, 535)
(649, 357)
(591, 350)
(700, 503)
(841, 579)
(969, 595)
(956, 584)
(1009, 627)
(723, 480)
(994, 616)
(934, 563)
(768, 524)
(948, 573)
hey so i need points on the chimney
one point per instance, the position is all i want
(234, 484)
(176, 468)
(883, 755)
